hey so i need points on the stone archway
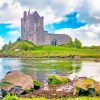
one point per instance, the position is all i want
(54, 42)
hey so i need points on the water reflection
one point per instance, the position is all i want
(39, 69)
(90, 69)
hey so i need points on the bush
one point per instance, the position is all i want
(77, 43)
(10, 97)
(37, 84)
(57, 80)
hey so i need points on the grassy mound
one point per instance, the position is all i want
(19, 45)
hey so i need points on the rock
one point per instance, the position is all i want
(16, 90)
(55, 79)
(19, 79)
(3, 93)
(84, 86)
(97, 60)
(76, 58)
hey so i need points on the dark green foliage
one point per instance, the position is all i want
(71, 44)
(89, 92)
(77, 43)
(37, 84)
(10, 97)
(74, 44)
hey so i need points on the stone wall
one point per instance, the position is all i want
(58, 38)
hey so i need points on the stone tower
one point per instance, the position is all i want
(32, 28)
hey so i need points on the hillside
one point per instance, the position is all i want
(20, 46)
(28, 49)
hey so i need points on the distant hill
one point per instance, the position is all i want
(19, 46)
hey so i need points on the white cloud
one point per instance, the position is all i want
(88, 35)
(1, 42)
(89, 11)
(11, 12)
(14, 33)
(54, 11)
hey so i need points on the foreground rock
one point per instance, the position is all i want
(86, 87)
(16, 81)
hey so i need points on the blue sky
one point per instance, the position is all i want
(76, 18)
(70, 21)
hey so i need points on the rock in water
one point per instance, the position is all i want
(19, 79)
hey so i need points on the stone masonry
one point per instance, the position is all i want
(32, 29)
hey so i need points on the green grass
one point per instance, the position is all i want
(77, 98)
(27, 49)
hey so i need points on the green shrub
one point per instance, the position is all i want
(53, 79)
(10, 97)
(37, 84)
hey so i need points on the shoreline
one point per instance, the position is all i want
(65, 58)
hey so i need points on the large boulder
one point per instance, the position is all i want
(16, 79)
(84, 86)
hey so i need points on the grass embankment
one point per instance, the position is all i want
(77, 98)
(27, 49)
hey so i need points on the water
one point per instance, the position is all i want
(40, 69)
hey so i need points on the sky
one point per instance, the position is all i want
(76, 18)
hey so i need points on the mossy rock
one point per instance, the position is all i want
(84, 87)
(37, 84)
(85, 83)
(97, 88)
(89, 80)
(4, 84)
(55, 79)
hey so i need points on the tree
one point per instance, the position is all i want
(10, 42)
(71, 43)
(77, 43)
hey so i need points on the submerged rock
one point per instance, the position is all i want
(17, 81)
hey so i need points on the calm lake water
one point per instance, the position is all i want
(39, 69)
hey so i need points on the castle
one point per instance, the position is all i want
(32, 29)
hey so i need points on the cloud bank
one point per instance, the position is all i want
(54, 12)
